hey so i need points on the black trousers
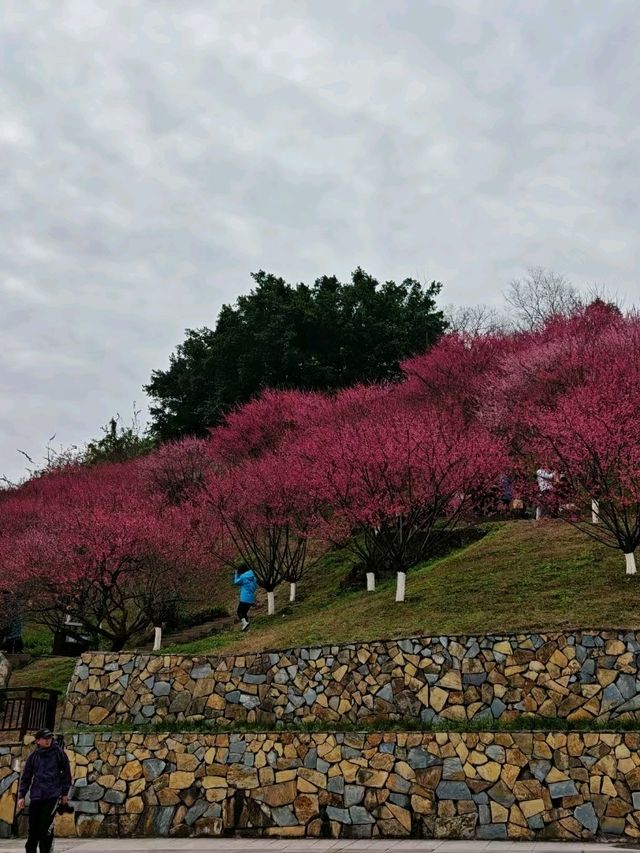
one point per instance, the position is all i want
(243, 610)
(41, 815)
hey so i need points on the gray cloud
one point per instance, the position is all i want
(153, 153)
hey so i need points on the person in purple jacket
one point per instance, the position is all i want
(47, 778)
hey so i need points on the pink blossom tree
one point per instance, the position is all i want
(391, 479)
(99, 552)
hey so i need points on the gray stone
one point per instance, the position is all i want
(498, 708)
(161, 688)
(336, 784)
(540, 769)
(86, 808)
(322, 766)
(353, 794)
(631, 705)
(586, 815)
(162, 819)
(495, 752)
(563, 789)
(536, 821)
(284, 816)
(251, 678)
(233, 696)
(418, 758)
(385, 693)
(359, 815)
(153, 767)
(475, 678)
(90, 792)
(310, 759)
(124, 681)
(339, 815)
(636, 800)
(492, 832)
(148, 711)
(399, 799)
(82, 671)
(611, 697)
(202, 670)
(309, 696)
(451, 767)
(453, 791)
(484, 813)
(115, 797)
(387, 747)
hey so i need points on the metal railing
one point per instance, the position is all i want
(25, 709)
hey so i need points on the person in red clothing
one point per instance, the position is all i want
(46, 778)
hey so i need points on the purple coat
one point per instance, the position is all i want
(46, 773)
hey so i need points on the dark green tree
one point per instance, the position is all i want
(320, 337)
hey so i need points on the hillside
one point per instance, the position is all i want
(523, 574)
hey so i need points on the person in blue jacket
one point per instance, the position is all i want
(246, 580)
(47, 777)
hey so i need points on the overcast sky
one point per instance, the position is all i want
(155, 152)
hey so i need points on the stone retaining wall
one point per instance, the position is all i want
(578, 675)
(351, 785)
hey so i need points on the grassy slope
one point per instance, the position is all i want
(523, 575)
(52, 673)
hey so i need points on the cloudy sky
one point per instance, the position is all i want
(155, 152)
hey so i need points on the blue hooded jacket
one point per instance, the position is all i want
(247, 583)
(46, 773)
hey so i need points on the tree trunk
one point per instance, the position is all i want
(157, 639)
(292, 591)
(538, 513)
(271, 603)
(631, 563)
(401, 580)
(595, 511)
(371, 582)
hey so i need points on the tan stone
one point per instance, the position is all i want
(438, 700)
(137, 787)
(280, 794)
(451, 680)
(134, 805)
(97, 715)
(531, 807)
(499, 814)
(131, 770)
(305, 807)
(242, 777)
(319, 780)
(216, 702)
(372, 778)
(490, 772)
(422, 805)
(186, 761)
(403, 816)
(214, 782)
(180, 779)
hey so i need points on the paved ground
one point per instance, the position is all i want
(269, 845)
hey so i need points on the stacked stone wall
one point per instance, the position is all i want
(578, 675)
(489, 785)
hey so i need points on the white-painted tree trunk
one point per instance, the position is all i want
(371, 582)
(292, 591)
(538, 513)
(271, 603)
(631, 563)
(595, 511)
(157, 639)
(401, 581)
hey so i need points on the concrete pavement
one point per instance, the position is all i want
(275, 845)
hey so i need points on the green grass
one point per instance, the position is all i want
(523, 575)
(38, 639)
(49, 673)
(523, 723)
